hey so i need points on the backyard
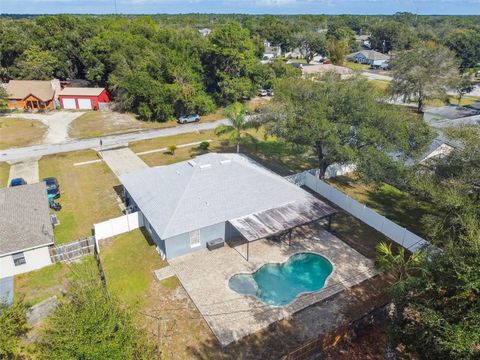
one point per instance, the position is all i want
(87, 193)
(20, 132)
(36, 286)
(396, 205)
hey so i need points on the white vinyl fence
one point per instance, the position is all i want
(393, 231)
(119, 225)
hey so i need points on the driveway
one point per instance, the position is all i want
(17, 154)
(27, 169)
(57, 122)
(373, 76)
(6, 290)
(122, 160)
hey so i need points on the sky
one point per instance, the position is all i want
(362, 7)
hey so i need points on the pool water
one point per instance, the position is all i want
(280, 284)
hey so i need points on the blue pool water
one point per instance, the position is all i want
(280, 284)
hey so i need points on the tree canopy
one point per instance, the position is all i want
(343, 121)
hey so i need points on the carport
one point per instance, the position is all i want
(281, 221)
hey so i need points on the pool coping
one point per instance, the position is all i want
(258, 267)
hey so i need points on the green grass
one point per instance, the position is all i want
(355, 66)
(129, 261)
(380, 85)
(88, 193)
(38, 285)
(398, 206)
(4, 172)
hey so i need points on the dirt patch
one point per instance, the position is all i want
(16, 132)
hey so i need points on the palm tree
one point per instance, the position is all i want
(237, 114)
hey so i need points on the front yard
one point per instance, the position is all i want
(4, 172)
(20, 132)
(87, 193)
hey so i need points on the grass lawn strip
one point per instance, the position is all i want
(4, 173)
(87, 193)
(20, 132)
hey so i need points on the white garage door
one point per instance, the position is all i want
(84, 104)
(69, 104)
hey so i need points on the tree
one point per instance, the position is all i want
(89, 324)
(237, 113)
(436, 314)
(310, 44)
(343, 122)
(423, 73)
(452, 187)
(3, 100)
(36, 64)
(13, 325)
(466, 45)
(463, 86)
(337, 50)
(392, 35)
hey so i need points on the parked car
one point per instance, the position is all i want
(17, 182)
(189, 118)
(262, 92)
(270, 92)
(54, 205)
(53, 189)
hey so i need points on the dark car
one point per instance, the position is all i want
(189, 118)
(17, 182)
(53, 189)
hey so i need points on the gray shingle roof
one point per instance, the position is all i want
(24, 218)
(214, 188)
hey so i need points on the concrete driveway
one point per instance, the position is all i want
(122, 160)
(27, 169)
(57, 122)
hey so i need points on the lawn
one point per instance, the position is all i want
(4, 172)
(129, 261)
(356, 66)
(466, 100)
(20, 132)
(380, 85)
(396, 205)
(36, 286)
(270, 152)
(87, 193)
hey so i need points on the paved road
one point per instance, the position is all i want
(18, 154)
(373, 76)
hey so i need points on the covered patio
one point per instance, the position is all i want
(279, 222)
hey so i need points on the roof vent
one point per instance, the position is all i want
(192, 163)
(205, 166)
(226, 161)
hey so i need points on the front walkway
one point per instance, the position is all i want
(231, 316)
(122, 160)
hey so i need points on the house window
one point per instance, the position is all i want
(194, 238)
(18, 259)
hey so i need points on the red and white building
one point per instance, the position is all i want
(83, 98)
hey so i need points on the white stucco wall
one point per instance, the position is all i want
(34, 259)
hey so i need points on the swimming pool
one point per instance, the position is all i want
(279, 284)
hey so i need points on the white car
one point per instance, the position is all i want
(189, 118)
(262, 92)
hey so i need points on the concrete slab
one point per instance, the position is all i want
(231, 316)
(27, 170)
(122, 160)
(164, 273)
(6, 290)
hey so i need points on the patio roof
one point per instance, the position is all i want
(282, 218)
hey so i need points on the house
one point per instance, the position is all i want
(26, 231)
(32, 94)
(205, 31)
(83, 98)
(363, 41)
(271, 51)
(370, 57)
(216, 196)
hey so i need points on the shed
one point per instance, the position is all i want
(83, 98)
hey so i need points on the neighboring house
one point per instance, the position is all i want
(370, 57)
(83, 98)
(216, 196)
(271, 51)
(26, 231)
(294, 54)
(363, 41)
(32, 94)
(205, 31)
(312, 71)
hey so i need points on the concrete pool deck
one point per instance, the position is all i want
(231, 316)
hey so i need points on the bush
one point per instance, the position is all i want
(204, 145)
(13, 325)
(172, 149)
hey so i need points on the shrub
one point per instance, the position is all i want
(204, 145)
(172, 149)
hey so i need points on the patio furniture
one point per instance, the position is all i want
(215, 244)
